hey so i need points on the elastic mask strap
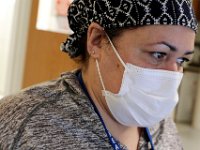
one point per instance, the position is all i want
(113, 47)
(100, 77)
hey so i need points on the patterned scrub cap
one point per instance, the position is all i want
(112, 14)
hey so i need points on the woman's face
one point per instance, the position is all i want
(156, 47)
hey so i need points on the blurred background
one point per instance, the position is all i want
(31, 32)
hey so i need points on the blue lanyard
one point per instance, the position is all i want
(149, 138)
(113, 142)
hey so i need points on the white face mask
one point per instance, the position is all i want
(146, 96)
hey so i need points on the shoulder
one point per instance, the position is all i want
(46, 92)
(165, 135)
(33, 103)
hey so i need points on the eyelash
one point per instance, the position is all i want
(182, 61)
(162, 54)
(159, 56)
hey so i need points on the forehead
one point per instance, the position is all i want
(179, 36)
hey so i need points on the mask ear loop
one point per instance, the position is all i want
(97, 63)
(100, 77)
(113, 47)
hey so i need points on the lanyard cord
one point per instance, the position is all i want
(149, 138)
(114, 144)
(116, 147)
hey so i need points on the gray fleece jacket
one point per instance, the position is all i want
(57, 115)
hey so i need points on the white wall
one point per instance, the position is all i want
(6, 7)
(14, 21)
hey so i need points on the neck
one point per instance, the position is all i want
(128, 136)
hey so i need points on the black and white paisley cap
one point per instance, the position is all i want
(112, 14)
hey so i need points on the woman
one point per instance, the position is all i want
(132, 54)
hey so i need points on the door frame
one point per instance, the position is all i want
(17, 47)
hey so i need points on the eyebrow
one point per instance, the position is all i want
(189, 53)
(173, 48)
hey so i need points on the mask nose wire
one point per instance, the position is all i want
(115, 51)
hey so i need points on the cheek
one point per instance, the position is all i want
(138, 58)
(180, 69)
(112, 71)
(112, 74)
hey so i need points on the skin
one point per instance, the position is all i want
(157, 47)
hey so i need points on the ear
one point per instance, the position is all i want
(95, 38)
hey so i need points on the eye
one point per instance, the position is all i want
(158, 55)
(182, 60)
